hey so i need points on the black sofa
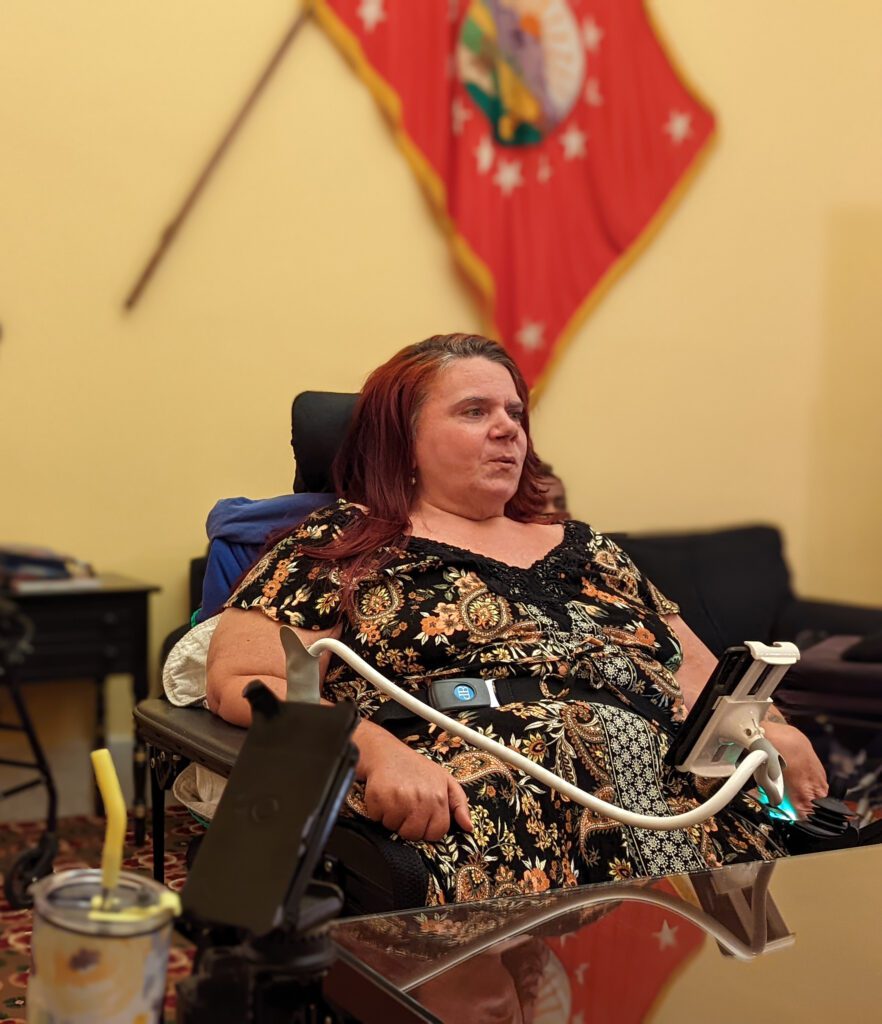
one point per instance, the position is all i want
(733, 585)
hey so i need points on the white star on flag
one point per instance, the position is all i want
(580, 973)
(679, 126)
(530, 336)
(592, 34)
(371, 13)
(592, 93)
(666, 935)
(508, 176)
(573, 141)
(485, 153)
(543, 171)
(459, 114)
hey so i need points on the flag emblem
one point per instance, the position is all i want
(523, 64)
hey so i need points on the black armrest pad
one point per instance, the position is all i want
(868, 649)
(193, 733)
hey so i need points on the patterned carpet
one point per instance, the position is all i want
(80, 842)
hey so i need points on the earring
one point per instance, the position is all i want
(413, 479)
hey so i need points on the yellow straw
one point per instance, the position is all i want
(115, 832)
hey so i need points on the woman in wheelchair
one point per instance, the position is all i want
(436, 564)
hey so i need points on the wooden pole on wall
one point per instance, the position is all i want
(174, 226)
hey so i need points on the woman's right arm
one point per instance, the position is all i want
(407, 792)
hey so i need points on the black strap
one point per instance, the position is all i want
(522, 690)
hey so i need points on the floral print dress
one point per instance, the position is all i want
(588, 627)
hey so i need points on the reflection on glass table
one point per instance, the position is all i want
(747, 943)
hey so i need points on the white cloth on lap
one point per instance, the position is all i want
(183, 675)
(184, 682)
(199, 790)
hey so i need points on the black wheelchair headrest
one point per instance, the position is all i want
(319, 421)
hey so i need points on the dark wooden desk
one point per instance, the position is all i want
(92, 633)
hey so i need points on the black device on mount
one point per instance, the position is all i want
(252, 901)
(726, 676)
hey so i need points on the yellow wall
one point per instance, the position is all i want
(732, 373)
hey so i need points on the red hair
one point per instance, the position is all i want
(375, 464)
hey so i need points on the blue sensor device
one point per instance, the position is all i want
(459, 694)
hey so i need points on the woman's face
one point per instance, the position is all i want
(470, 442)
(555, 497)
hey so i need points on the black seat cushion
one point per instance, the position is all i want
(376, 873)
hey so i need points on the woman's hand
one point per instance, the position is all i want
(407, 792)
(804, 776)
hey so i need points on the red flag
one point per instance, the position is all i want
(549, 135)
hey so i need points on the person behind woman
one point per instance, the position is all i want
(555, 507)
(435, 563)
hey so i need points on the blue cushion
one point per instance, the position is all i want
(238, 529)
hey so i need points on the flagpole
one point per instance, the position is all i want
(174, 226)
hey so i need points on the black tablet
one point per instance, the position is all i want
(723, 681)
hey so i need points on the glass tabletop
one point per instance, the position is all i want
(794, 939)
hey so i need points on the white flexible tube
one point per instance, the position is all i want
(664, 823)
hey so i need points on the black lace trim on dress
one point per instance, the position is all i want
(549, 582)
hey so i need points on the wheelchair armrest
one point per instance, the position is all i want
(375, 873)
(193, 733)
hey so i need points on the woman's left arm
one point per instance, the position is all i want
(804, 776)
